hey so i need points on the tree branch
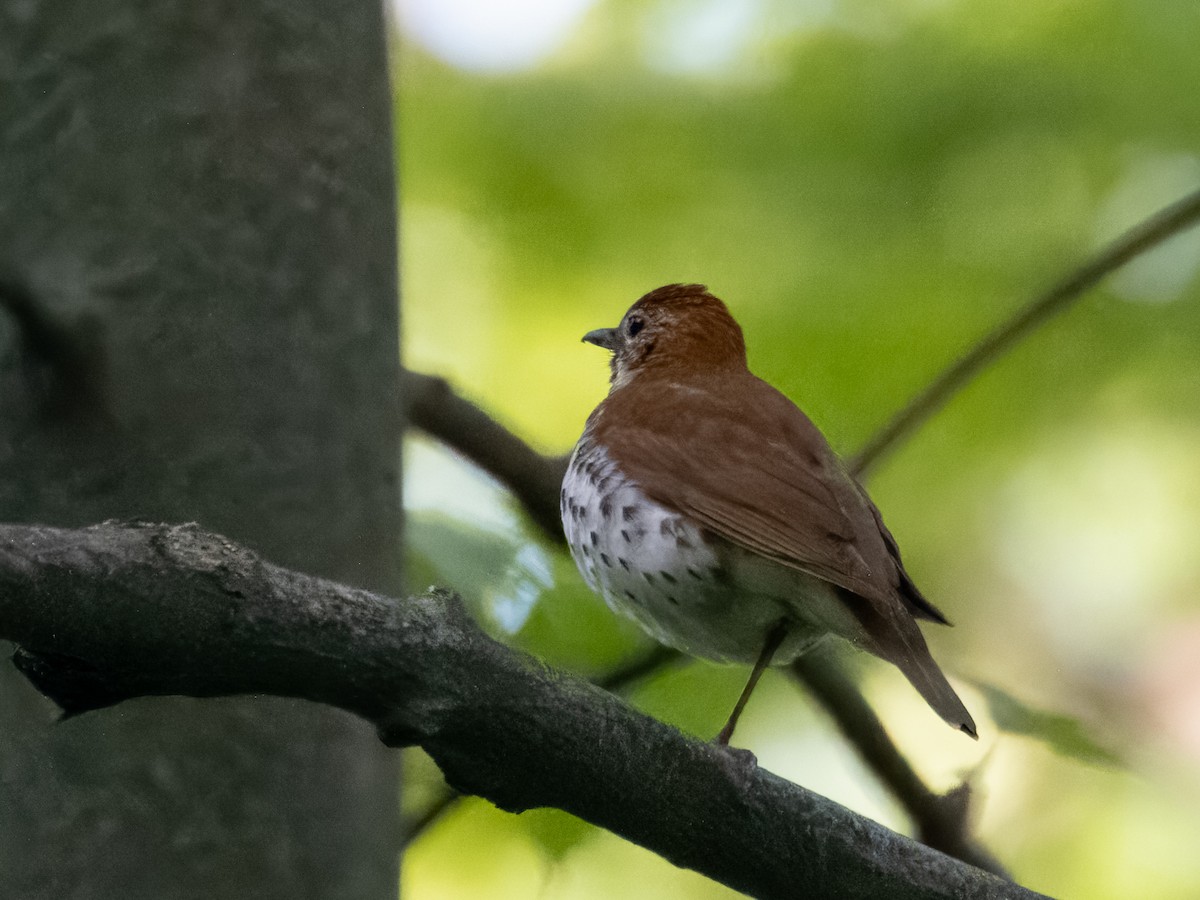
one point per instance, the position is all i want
(941, 820)
(1167, 222)
(117, 611)
(656, 659)
(535, 479)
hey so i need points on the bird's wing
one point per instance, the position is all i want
(748, 465)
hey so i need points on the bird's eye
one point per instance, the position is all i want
(635, 325)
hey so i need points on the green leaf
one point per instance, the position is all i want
(1062, 733)
(485, 567)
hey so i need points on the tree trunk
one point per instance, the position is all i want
(197, 247)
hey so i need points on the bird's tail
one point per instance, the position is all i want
(897, 638)
(931, 683)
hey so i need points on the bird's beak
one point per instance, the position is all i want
(608, 338)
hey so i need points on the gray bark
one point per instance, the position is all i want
(198, 322)
(181, 610)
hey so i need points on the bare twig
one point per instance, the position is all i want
(118, 611)
(1167, 222)
(534, 479)
(653, 660)
(941, 820)
(428, 817)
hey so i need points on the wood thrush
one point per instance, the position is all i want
(704, 504)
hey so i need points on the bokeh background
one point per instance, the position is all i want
(870, 185)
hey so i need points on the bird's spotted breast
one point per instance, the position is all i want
(658, 567)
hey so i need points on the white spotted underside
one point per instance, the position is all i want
(687, 588)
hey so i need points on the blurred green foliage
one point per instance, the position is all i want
(1062, 733)
(870, 186)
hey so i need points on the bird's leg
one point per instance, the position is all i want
(775, 637)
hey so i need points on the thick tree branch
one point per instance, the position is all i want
(118, 611)
(655, 660)
(1167, 222)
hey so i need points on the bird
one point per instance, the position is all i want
(704, 504)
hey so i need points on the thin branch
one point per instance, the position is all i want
(118, 611)
(1167, 222)
(941, 820)
(653, 660)
(430, 816)
(535, 479)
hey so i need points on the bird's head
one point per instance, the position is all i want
(677, 331)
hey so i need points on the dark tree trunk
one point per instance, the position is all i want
(198, 322)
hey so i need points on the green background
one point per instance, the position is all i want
(870, 186)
